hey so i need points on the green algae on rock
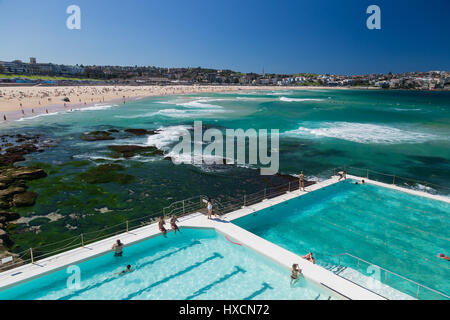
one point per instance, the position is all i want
(96, 136)
(129, 151)
(106, 173)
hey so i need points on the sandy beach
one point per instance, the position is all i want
(26, 101)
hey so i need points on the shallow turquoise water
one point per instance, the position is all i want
(197, 264)
(394, 230)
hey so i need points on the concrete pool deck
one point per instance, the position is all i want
(340, 286)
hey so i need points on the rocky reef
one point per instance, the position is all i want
(14, 147)
(141, 132)
(96, 136)
(128, 151)
(111, 134)
(13, 179)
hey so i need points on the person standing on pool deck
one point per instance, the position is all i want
(301, 178)
(118, 248)
(161, 224)
(214, 209)
(342, 174)
(173, 224)
(209, 206)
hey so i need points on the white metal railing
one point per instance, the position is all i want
(419, 286)
(393, 179)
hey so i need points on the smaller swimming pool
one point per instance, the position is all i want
(392, 229)
(196, 264)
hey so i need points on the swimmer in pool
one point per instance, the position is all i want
(295, 273)
(443, 256)
(126, 270)
(309, 257)
(118, 248)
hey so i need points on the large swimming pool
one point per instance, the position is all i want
(394, 230)
(196, 264)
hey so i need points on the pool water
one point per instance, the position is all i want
(394, 230)
(196, 264)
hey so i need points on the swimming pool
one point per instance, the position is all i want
(196, 264)
(391, 229)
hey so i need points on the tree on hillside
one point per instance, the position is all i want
(2, 69)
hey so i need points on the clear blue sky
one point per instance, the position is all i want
(323, 36)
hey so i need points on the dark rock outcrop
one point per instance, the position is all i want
(9, 216)
(3, 236)
(5, 204)
(22, 173)
(25, 199)
(141, 132)
(96, 136)
(129, 151)
(23, 145)
(11, 191)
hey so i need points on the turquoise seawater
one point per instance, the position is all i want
(394, 230)
(196, 264)
(401, 132)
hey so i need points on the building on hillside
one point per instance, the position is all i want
(14, 67)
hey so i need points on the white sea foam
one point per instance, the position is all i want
(200, 107)
(421, 187)
(92, 108)
(167, 136)
(195, 158)
(252, 99)
(174, 113)
(199, 104)
(405, 109)
(285, 99)
(97, 107)
(361, 133)
(38, 116)
(135, 116)
(179, 113)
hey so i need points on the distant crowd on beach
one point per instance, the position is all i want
(20, 101)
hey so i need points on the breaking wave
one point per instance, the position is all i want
(361, 133)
